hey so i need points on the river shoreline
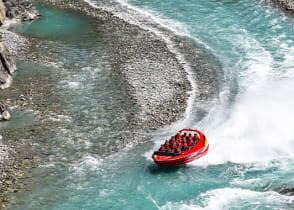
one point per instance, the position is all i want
(16, 159)
(132, 49)
(131, 44)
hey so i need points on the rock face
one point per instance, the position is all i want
(2, 13)
(287, 191)
(20, 9)
(7, 67)
(4, 114)
(12, 9)
(286, 4)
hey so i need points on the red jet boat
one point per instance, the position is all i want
(187, 145)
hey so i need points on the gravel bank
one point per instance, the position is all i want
(153, 76)
(156, 79)
(15, 158)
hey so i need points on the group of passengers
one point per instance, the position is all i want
(179, 143)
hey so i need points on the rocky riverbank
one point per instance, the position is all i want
(13, 158)
(152, 74)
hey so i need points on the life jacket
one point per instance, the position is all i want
(173, 145)
(171, 141)
(190, 142)
(162, 148)
(184, 147)
(166, 143)
(178, 151)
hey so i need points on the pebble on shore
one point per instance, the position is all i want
(154, 77)
(11, 159)
(160, 98)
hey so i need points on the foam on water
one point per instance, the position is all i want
(249, 129)
(255, 127)
(259, 127)
(234, 198)
(89, 162)
(147, 20)
(252, 71)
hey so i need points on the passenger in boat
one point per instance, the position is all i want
(190, 143)
(185, 141)
(180, 145)
(162, 148)
(166, 144)
(177, 136)
(192, 139)
(184, 147)
(173, 145)
(178, 151)
(172, 140)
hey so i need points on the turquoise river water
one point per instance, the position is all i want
(250, 126)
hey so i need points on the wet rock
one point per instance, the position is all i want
(7, 67)
(286, 4)
(2, 12)
(20, 9)
(4, 113)
(15, 44)
(287, 191)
